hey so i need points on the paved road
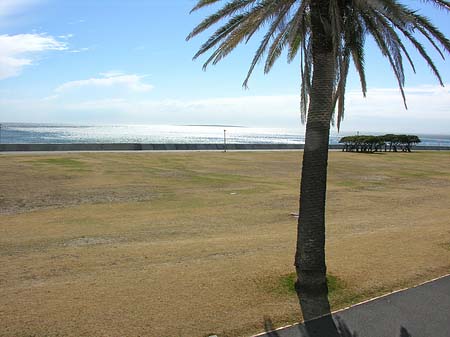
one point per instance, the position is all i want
(423, 311)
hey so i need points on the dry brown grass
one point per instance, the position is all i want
(186, 244)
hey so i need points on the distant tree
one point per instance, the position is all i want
(328, 35)
(409, 140)
(374, 143)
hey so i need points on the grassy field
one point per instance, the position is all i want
(191, 244)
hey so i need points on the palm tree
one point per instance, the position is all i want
(327, 35)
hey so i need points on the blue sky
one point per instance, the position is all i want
(108, 61)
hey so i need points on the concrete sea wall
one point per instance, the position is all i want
(143, 147)
(167, 147)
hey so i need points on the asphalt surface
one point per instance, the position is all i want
(422, 311)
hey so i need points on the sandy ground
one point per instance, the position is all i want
(191, 244)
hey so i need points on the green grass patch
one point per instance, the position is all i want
(339, 295)
(286, 284)
(67, 163)
(347, 183)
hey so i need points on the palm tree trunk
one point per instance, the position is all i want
(310, 265)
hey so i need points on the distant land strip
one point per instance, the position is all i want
(170, 147)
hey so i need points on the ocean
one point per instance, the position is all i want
(31, 133)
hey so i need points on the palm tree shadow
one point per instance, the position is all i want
(317, 315)
(319, 321)
(404, 332)
(321, 327)
(268, 327)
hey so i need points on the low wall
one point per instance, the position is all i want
(168, 147)
(144, 147)
(433, 148)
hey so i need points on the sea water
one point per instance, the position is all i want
(31, 133)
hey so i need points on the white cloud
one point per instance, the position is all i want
(66, 36)
(382, 110)
(240, 109)
(422, 101)
(18, 51)
(131, 82)
(80, 50)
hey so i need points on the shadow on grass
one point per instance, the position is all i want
(327, 325)
(369, 153)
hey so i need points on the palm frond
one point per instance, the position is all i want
(306, 72)
(424, 27)
(203, 3)
(219, 34)
(228, 10)
(424, 23)
(425, 56)
(441, 4)
(298, 30)
(381, 36)
(288, 25)
(277, 25)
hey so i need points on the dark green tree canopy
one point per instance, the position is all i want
(374, 143)
(287, 25)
